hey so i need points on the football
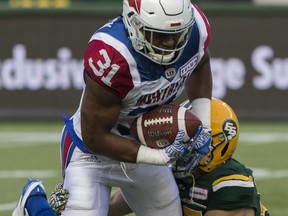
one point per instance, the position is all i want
(158, 128)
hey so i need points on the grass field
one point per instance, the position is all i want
(32, 150)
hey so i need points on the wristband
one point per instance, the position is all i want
(148, 155)
(202, 109)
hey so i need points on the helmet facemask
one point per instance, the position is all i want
(163, 56)
(219, 140)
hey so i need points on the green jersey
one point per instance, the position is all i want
(228, 187)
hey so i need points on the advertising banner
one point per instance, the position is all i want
(41, 62)
(250, 63)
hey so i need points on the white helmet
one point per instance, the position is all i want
(142, 18)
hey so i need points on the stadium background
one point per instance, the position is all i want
(41, 49)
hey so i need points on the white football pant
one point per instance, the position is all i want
(149, 190)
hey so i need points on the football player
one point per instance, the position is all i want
(219, 185)
(147, 57)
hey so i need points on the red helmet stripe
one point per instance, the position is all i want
(175, 24)
(136, 4)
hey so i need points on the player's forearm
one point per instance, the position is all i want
(126, 150)
(199, 91)
(112, 146)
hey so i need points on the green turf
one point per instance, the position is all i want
(20, 153)
(271, 156)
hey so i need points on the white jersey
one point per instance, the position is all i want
(111, 61)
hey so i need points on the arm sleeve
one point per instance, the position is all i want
(106, 66)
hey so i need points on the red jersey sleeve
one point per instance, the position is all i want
(105, 65)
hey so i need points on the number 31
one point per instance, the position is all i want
(104, 65)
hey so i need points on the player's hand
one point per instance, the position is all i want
(166, 156)
(58, 199)
(177, 149)
(201, 143)
(202, 140)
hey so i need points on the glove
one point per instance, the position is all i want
(201, 143)
(178, 149)
(165, 156)
(58, 199)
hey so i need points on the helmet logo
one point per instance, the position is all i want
(136, 4)
(230, 128)
(170, 73)
(175, 24)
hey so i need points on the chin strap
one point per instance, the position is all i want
(161, 58)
